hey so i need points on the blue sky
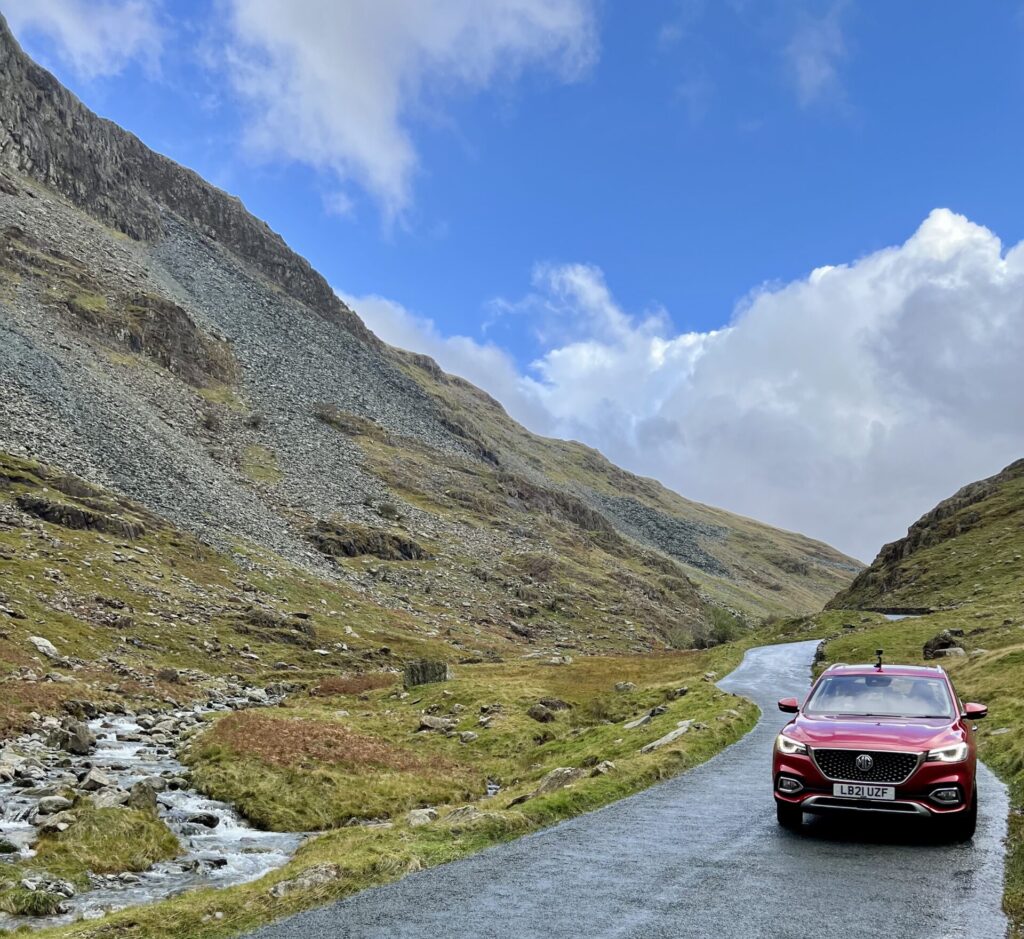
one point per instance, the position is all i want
(549, 184)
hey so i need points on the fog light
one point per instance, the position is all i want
(949, 796)
(787, 784)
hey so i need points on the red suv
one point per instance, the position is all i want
(891, 739)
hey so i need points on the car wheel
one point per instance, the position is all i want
(791, 817)
(964, 824)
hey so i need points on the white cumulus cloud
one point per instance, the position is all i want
(844, 404)
(335, 85)
(94, 37)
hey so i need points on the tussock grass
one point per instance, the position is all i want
(107, 841)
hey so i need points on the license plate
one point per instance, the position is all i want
(860, 791)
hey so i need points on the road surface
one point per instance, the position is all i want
(700, 856)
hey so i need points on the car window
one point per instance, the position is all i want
(881, 696)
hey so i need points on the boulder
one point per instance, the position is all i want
(951, 652)
(45, 647)
(682, 728)
(74, 736)
(425, 672)
(555, 704)
(142, 796)
(639, 722)
(49, 805)
(679, 692)
(418, 817)
(467, 736)
(317, 876)
(603, 768)
(467, 816)
(96, 779)
(109, 798)
(624, 686)
(541, 714)
(442, 725)
(206, 819)
(939, 645)
(59, 821)
(557, 779)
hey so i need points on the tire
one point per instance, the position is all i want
(791, 817)
(964, 824)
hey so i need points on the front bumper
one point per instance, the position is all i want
(917, 796)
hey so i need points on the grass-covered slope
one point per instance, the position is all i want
(143, 614)
(964, 562)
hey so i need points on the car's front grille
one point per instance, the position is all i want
(885, 766)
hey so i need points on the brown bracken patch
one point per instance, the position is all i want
(294, 741)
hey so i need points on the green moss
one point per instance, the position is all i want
(260, 465)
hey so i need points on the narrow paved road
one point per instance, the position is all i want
(700, 855)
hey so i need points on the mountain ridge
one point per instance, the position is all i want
(162, 342)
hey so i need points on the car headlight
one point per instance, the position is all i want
(788, 745)
(957, 753)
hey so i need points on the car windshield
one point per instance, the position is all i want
(878, 695)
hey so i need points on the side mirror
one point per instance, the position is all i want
(789, 705)
(975, 712)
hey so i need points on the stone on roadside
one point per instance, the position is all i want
(557, 779)
(672, 735)
(318, 876)
(418, 817)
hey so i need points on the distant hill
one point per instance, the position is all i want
(968, 548)
(159, 341)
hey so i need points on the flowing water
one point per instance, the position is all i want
(230, 852)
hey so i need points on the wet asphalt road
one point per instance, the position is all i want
(701, 856)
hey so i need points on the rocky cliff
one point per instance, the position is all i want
(46, 133)
(954, 544)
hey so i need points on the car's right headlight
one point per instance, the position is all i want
(956, 753)
(788, 745)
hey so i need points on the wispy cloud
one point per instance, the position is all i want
(814, 55)
(338, 86)
(95, 38)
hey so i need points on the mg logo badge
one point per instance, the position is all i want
(865, 762)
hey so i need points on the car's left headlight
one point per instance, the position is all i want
(956, 753)
(788, 745)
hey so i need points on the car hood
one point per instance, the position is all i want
(874, 733)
